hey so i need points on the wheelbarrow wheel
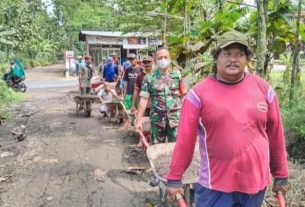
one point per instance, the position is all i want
(77, 109)
(88, 108)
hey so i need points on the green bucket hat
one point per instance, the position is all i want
(231, 37)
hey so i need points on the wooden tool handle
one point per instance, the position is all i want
(280, 199)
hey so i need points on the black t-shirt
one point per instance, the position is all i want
(130, 76)
(139, 80)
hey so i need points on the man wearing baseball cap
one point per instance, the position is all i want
(130, 76)
(148, 63)
(237, 118)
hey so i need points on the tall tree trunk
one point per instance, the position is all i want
(7, 54)
(164, 27)
(266, 63)
(261, 36)
(185, 23)
(220, 5)
(295, 61)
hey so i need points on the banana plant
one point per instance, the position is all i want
(204, 29)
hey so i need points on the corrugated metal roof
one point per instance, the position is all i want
(117, 34)
(102, 33)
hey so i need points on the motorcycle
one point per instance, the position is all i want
(17, 84)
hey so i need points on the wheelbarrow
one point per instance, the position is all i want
(164, 151)
(84, 102)
(115, 109)
(157, 151)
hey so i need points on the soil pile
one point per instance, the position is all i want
(162, 164)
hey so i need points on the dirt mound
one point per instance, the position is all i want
(163, 164)
(135, 155)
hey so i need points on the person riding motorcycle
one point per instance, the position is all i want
(15, 76)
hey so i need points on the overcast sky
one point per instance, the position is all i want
(251, 2)
(50, 6)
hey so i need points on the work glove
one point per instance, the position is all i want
(280, 184)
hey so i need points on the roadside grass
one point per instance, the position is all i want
(296, 193)
(276, 78)
(8, 96)
(293, 120)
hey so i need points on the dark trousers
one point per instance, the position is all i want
(85, 90)
(205, 197)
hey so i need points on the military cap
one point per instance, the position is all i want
(148, 59)
(231, 37)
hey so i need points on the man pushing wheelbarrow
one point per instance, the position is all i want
(236, 116)
(165, 90)
(85, 100)
(111, 104)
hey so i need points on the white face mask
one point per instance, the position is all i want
(163, 63)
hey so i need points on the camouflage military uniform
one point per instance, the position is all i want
(164, 92)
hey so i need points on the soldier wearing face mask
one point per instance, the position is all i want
(165, 89)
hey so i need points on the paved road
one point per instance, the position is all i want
(51, 84)
(68, 159)
(49, 77)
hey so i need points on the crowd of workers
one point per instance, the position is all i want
(232, 113)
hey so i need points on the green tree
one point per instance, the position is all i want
(296, 52)
(261, 36)
(78, 15)
(4, 34)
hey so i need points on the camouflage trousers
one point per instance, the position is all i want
(161, 131)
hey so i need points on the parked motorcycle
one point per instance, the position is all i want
(16, 83)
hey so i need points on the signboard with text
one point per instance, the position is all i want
(70, 61)
(69, 54)
(135, 43)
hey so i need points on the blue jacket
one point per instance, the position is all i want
(110, 72)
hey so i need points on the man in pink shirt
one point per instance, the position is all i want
(241, 142)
